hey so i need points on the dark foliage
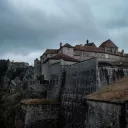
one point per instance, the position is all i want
(25, 86)
(44, 94)
(17, 72)
(41, 79)
(2, 122)
(3, 68)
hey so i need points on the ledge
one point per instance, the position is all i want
(39, 102)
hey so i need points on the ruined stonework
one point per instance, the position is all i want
(41, 116)
(102, 114)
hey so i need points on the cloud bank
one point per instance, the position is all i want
(27, 28)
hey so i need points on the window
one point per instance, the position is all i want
(109, 50)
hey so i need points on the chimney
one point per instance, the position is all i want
(122, 52)
(87, 42)
(60, 44)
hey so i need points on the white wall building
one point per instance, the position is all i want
(53, 59)
(52, 66)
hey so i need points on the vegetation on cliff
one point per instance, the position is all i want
(8, 106)
(3, 69)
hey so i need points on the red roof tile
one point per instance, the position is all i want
(64, 57)
(88, 48)
(91, 44)
(108, 43)
(93, 49)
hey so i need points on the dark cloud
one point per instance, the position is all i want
(31, 26)
(34, 28)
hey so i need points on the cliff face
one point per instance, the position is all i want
(18, 76)
(14, 87)
(9, 105)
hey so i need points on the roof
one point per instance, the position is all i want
(108, 43)
(92, 48)
(38, 101)
(67, 45)
(116, 92)
(64, 57)
(50, 51)
(88, 48)
(91, 44)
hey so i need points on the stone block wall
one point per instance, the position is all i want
(80, 80)
(40, 116)
(102, 114)
(73, 110)
(113, 74)
(74, 84)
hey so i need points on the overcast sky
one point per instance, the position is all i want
(28, 27)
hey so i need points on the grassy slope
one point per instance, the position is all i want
(116, 92)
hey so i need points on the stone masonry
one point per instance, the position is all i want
(40, 115)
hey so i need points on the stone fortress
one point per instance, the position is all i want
(78, 78)
(53, 58)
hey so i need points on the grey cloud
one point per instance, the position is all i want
(32, 29)
(112, 16)
(26, 28)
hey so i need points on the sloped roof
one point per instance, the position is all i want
(91, 44)
(64, 57)
(108, 43)
(51, 51)
(91, 47)
(67, 45)
(88, 48)
(116, 92)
